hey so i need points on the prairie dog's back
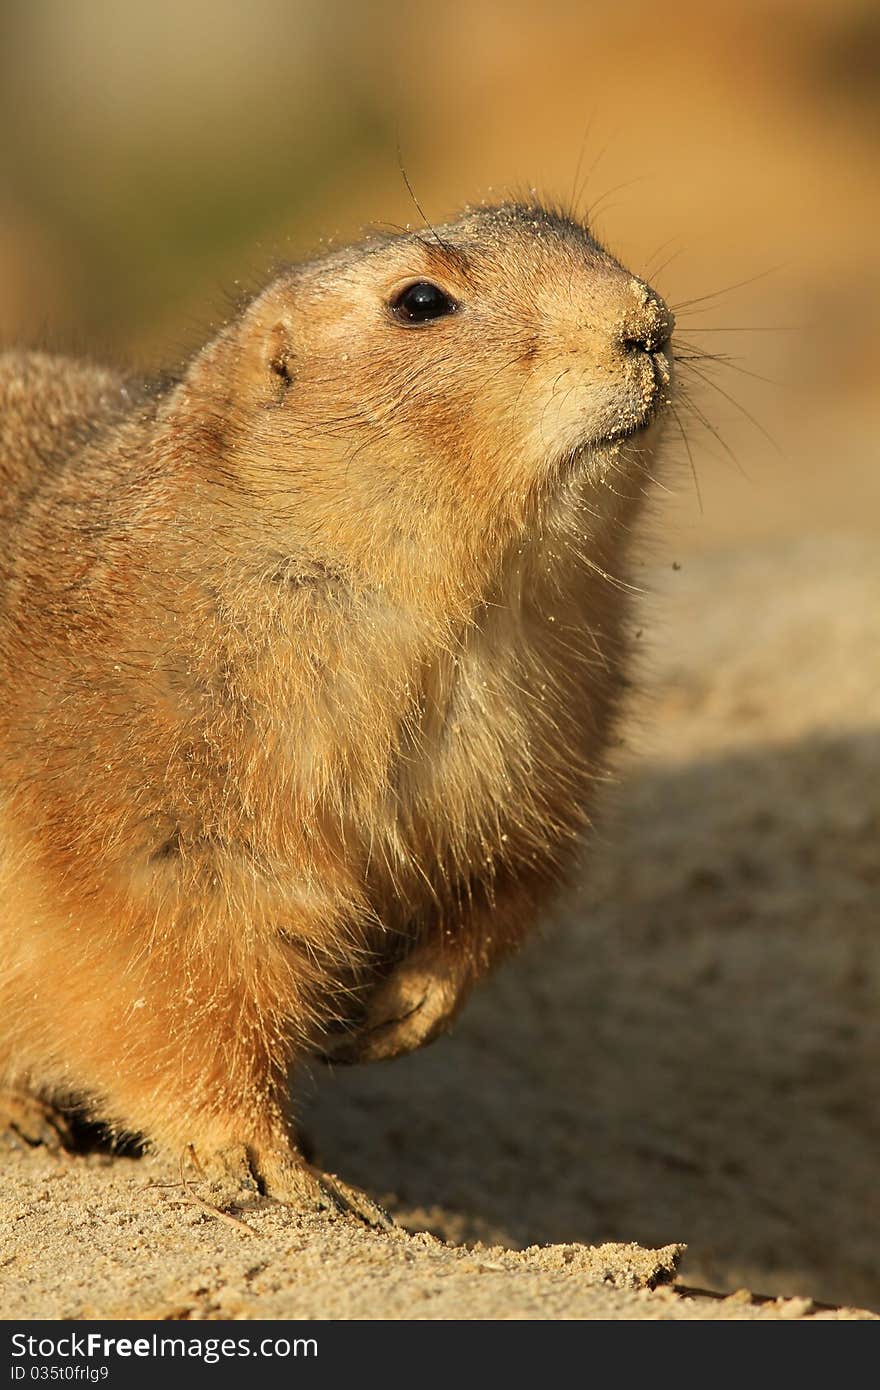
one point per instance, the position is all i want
(49, 408)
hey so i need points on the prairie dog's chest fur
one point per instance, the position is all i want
(435, 757)
(507, 721)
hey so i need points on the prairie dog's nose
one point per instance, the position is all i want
(648, 322)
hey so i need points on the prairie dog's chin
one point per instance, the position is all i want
(595, 457)
(642, 435)
(625, 441)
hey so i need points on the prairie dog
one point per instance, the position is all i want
(309, 662)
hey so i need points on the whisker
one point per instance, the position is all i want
(728, 289)
(690, 455)
(417, 205)
(720, 359)
(734, 402)
(664, 265)
(755, 328)
(581, 192)
(712, 429)
(659, 251)
(610, 191)
(580, 160)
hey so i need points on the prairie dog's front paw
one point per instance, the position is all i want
(240, 1173)
(411, 1008)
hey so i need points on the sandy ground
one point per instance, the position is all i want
(686, 1057)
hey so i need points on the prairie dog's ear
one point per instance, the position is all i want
(278, 356)
(251, 360)
(266, 347)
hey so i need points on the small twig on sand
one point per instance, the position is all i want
(198, 1201)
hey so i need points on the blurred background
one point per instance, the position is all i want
(697, 1059)
(156, 157)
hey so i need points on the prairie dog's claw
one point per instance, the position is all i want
(241, 1173)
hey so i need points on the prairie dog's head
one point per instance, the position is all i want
(437, 382)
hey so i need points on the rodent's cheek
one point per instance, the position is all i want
(582, 406)
(641, 386)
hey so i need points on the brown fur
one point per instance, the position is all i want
(308, 666)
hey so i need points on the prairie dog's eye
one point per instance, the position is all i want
(420, 302)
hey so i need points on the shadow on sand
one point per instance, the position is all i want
(690, 1053)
